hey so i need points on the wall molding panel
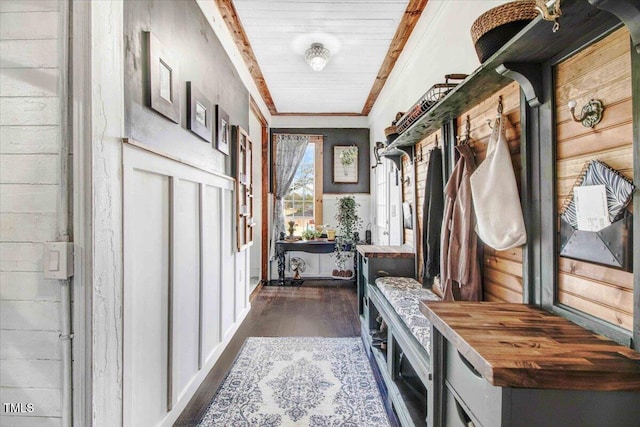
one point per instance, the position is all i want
(181, 307)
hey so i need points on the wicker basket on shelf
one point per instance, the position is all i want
(428, 100)
(391, 132)
(495, 27)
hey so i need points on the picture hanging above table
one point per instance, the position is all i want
(162, 80)
(199, 113)
(345, 164)
(223, 131)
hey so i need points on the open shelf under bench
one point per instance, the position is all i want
(411, 411)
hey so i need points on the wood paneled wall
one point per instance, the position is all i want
(418, 176)
(601, 71)
(501, 270)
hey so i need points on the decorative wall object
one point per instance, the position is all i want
(223, 129)
(163, 95)
(407, 215)
(243, 171)
(608, 240)
(345, 164)
(199, 113)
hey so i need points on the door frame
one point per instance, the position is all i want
(264, 209)
(97, 118)
(80, 91)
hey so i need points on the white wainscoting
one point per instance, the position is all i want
(183, 300)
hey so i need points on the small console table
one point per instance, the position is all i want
(501, 364)
(310, 246)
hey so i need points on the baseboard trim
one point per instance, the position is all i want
(255, 291)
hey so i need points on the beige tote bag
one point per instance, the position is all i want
(499, 221)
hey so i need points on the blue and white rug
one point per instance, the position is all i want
(299, 382)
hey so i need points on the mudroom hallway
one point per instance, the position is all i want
(326, 316)
(314, 213)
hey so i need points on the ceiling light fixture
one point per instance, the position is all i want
(317, 56)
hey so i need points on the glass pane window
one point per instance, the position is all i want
(299, 201)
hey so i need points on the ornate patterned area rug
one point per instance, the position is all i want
(299, 382)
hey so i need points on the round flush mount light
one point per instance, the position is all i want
(317, 56)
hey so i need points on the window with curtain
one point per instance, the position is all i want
(299, 202)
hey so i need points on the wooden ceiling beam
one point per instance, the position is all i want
(231, 18)
(256, 111)
(405, 28)
(321, 114)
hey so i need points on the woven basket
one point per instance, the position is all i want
(391, 132)
(497, 26)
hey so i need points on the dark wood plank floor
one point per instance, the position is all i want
(316, 311)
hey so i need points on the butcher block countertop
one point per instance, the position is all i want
(522, 346)
(375, 251)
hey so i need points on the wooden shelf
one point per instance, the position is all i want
(385, 251)
(519, 59)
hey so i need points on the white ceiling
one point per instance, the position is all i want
(358, 33)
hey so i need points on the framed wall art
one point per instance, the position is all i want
(223, 131)
(345, 164)
(163, 94)
(199, 114)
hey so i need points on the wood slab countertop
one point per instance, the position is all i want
(375, 251)
(517, 345)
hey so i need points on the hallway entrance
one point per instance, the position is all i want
(312, 310)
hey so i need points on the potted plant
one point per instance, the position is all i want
(348, 224)
(308, 235)
(292, 227)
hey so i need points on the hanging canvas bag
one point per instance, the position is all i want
(499, 220)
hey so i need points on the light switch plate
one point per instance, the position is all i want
(58, 260)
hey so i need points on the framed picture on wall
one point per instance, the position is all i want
(199, 113)
(345, 164)
(162, 82)
(223, 131)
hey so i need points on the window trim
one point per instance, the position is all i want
(318, 140)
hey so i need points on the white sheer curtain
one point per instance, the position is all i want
(289, 153)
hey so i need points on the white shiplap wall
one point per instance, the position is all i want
(30, 214)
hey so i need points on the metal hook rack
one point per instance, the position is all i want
(500, 109)
(467, 133)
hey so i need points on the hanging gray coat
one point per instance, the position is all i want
(460, 269)
(432, 217)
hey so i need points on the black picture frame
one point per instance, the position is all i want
(199, 113)
(223, 131)
(163, 92)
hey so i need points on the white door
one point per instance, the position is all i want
(381, 193)
(395, 228)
